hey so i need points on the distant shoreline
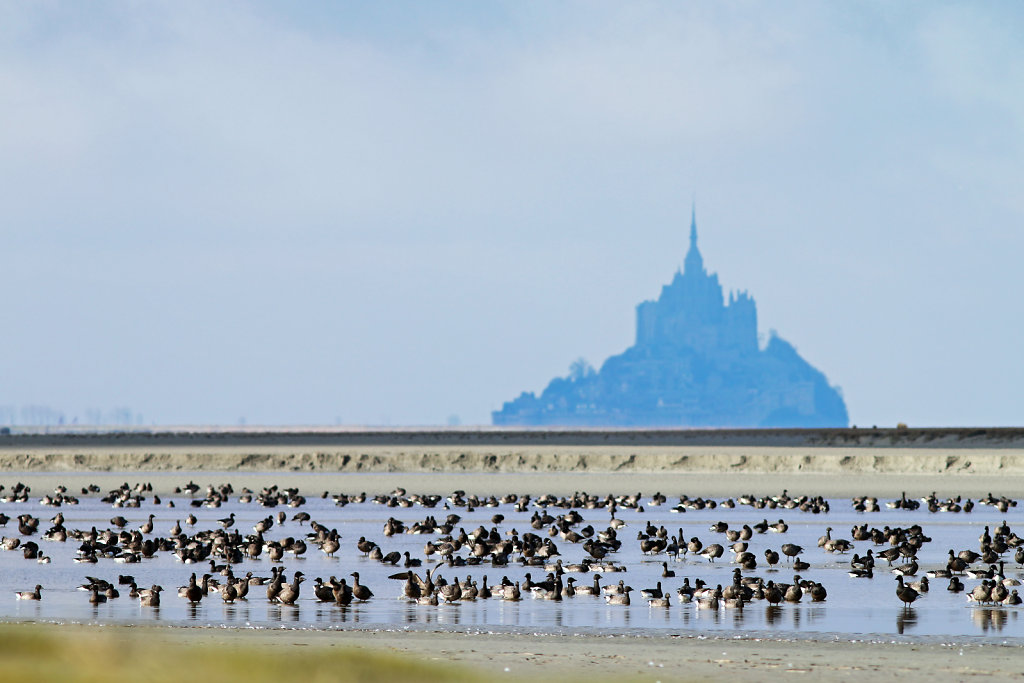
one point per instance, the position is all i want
(869, 437)
(991, 452)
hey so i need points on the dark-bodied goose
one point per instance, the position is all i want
(192, 592)
(791, 550)
(359, 591)
(343, 593)
(648, 593)
(30, 595)
(906, 594)
(794, 593)
(228, 592)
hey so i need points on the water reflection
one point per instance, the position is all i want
(906, 617)
(711, 615)
(772, 614)
(236, 612)
(989, 619)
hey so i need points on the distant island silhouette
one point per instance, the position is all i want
(696, 363)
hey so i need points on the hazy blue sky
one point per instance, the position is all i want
(395, 213)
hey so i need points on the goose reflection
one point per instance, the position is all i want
(234, 612)
(989, 619)
(772, 614)
(906, 617)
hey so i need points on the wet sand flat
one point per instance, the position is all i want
(594, 658)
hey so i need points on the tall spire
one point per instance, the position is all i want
(694, 261)
(693, 225)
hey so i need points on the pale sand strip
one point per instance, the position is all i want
(597, 658)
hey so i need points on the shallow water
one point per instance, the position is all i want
(855, 609)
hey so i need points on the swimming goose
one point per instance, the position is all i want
(618, 598)
(150, 597)
(955, 585)
(30, 595)
(709, 600)
(553, 593)
(648, 593)
(663, 601)
(594, 589)
(685, 592)
(512, 593)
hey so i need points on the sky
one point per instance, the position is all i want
(408, 213)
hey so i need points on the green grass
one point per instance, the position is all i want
(86, 655)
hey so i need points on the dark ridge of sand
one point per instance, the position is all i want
(336, 438)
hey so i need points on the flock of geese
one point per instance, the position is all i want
(519, 552)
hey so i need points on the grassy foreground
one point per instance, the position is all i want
(88, 655)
